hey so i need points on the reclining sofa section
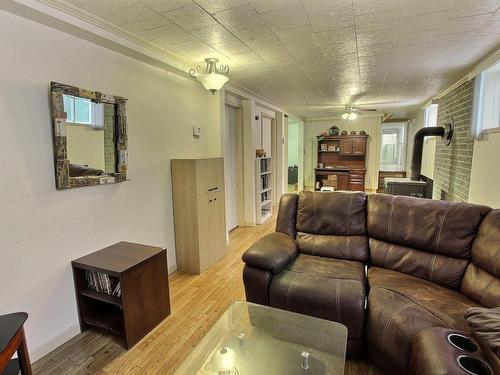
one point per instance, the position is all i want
(427, 261)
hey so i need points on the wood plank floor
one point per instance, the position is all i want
(196, 301)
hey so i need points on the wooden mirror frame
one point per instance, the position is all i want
(61, 161)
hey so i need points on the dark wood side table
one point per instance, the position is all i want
(12, 339)
(145, 298)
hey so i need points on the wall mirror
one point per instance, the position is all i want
(90, 137)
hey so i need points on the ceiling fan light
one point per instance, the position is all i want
(345, 116)
(353, 116)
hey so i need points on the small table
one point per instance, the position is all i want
(252, 339)
(141, 272)
(12, 339)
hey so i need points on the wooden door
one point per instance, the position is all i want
(346, 147)
(358, 146)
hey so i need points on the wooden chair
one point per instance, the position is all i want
(12, 339)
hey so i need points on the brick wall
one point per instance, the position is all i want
(452, 164)
(109, 138)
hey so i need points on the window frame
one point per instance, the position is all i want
(401, 149)
(72, 120)
(431, 115)
(486, 101)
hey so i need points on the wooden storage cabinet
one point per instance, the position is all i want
(199, 212)
(354, 145)
(144, 301)
(342, 156)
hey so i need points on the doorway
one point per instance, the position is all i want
(234, 166)
(295, 150)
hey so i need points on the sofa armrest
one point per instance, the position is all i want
(272, 252)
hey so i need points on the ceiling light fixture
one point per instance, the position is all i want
(350, 114)
(213, 78)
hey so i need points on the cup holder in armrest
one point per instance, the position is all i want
(462, 342)
(473, 366)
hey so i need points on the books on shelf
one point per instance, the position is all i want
(103, 283)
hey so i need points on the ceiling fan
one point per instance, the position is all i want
(351, 112)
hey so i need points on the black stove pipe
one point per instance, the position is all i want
(418, 144)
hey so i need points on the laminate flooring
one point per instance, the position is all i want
(197, 301)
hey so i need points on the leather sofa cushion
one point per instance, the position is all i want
(400, 306)
(340, 247)
(322, 287)
(287, 215)
(272, 252)
(337, 213)
(486, 247)
(482, 278)
(440, 269)
(442, 227)
(481, 286)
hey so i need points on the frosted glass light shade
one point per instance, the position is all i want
(350, 116)
(212, 81)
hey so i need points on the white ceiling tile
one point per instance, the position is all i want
(387, 54)
(406, 39)
(331, 19)
(239, 18)
(369, 6)
(337, 39)
(377, 21)
(233, 47)
(298, 35)
(421, 7)
(190, 17)
(139, 18)
(263, 6)
(246, 58)
(255, 35)
(169, 33)
(104, 6)
(163, 5)
(286, 18)
(214, 34)
(213, 6)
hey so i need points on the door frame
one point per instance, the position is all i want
(234, 102)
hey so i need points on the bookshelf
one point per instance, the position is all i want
(122, 289)
(263, 187)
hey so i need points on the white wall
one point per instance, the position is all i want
(485, 179)
(371, 125)
(43, 229)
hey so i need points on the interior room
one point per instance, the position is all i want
(250, 187)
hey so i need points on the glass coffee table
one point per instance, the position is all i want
(251, 339)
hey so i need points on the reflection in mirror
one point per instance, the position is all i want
(90, 136)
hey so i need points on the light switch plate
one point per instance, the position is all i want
(196, 130)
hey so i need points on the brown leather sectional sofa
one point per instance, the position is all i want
(387, 267)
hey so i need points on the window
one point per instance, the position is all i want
(83, 111)
(431, 115)
(486, 105)
(393, 147)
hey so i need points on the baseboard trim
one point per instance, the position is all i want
(54, 343)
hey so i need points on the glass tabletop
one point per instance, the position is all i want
(251, 339)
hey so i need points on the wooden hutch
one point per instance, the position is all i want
(341, 162)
